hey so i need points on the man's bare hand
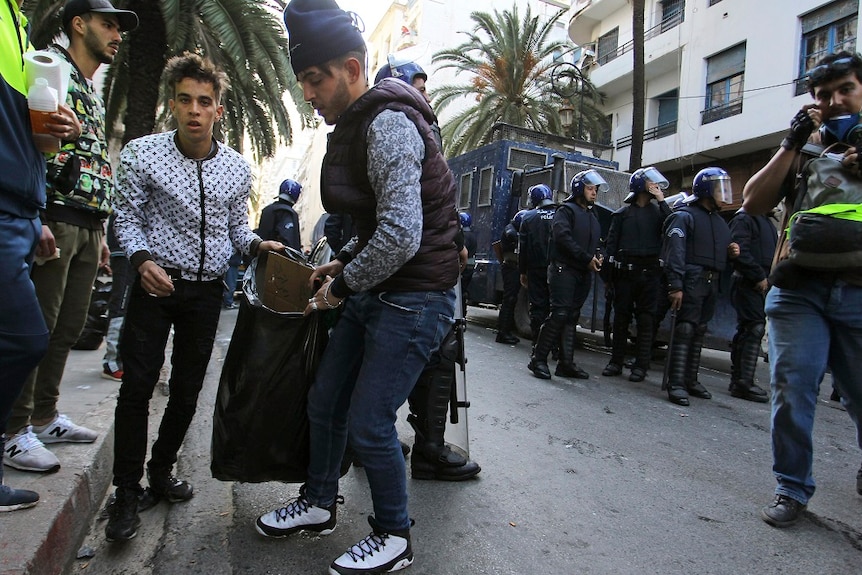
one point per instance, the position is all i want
(155, 280)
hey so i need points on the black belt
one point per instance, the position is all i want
(176, 275)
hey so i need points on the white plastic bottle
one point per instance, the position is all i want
(42, 101)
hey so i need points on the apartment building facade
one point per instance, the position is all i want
(723, 77)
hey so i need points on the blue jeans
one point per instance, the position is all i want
(374, 357)
(816, 325)
(23, 333)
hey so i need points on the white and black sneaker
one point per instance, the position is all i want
(298, 515)
(380, 552)
(61, 430)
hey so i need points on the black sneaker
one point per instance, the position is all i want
(166, 486)
(697, 389)
(123, 519)
(612, 369)
(784, 511)
(380, 552)
(15, 499)
(571, 370)
(540, 369)
(507, 338)
(298, 515)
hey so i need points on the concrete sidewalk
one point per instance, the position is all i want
(43, 540)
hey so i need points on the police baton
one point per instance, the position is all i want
(595, 317)
(669, 350)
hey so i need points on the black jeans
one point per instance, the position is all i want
(193, 311)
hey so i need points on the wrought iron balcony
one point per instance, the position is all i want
(655, 133)
(719, 112)
(663, 26)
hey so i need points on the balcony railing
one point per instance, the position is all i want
(662, 26)
(719, 112)
(659, 131)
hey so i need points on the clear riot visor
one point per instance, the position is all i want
(720, 190)
(592, 178)
(652, 175)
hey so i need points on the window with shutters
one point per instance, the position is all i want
(486, 179)
(464, 191)
(827, 30)
(725, 82)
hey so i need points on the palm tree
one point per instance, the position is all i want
(244, 37)
(638, 86)
(508, 60)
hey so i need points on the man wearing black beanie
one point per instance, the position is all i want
(395, 280)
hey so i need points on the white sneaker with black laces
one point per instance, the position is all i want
(297, 515)
(380, 552)
(24, 451)
(62, 430)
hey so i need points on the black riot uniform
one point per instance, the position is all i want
(576, 236)
(511, 283)
(696, 241)
(757, 239)
(633, 249)
(279, 221)
(533, 259)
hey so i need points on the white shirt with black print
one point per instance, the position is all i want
(186, 214)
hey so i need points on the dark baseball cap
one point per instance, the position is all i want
(128, 20)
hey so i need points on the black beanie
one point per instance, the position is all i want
(318, 31)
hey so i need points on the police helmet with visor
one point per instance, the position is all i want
(583, 179)
(712, 183)
(540, 195)
(641, 179)
(289, 190)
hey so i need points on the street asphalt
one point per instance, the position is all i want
(44, 540)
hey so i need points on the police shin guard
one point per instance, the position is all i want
(429, 404)
(746, 360)
(620, 339)
(692, 366)
(679, 351)
(549, 334)
(566, 365)
(643, 347)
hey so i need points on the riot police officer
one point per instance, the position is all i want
(757, 238)
(278, 221)
(633, 248)
(511, 281)
(696, 247)
(575, 257)
(534, 242)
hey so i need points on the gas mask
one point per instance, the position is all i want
(844, 128)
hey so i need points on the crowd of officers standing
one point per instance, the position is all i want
(656, 259)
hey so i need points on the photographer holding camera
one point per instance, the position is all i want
(815, 306)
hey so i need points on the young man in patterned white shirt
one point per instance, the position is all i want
(181, 210)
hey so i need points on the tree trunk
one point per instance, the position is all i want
(638, 85)
(147, 56)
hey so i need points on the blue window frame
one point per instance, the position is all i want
(829, 29)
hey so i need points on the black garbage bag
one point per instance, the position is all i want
(260, 424)
(96, 325)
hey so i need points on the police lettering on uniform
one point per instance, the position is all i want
(534, 240)
(511, 281)
(633, 248)
(575, 257)
(696, 247)
(756, 237)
